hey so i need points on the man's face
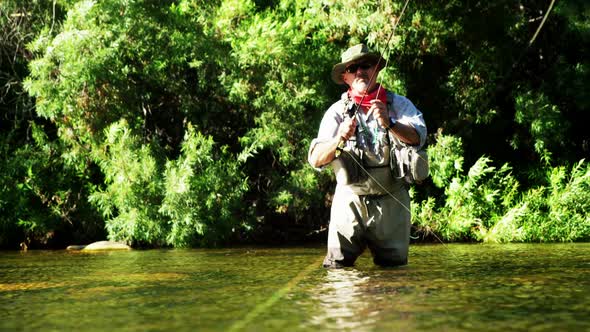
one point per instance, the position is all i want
(357, 76)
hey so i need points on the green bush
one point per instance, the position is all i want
(133, 188)
(473, 202)
(204, 188)
(486, 205)
(559, 211)
(42, 201)
(140, 100)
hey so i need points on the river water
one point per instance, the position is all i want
(453, 287)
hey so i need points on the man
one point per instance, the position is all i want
(354, 138)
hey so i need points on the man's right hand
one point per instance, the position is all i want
(323, 153)
(347, 128)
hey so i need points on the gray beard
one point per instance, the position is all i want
(360, 86)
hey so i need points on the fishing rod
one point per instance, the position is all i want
(355, 109)
(374, 75)
(353, 112)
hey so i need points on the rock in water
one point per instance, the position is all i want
(76, 247)
(100, 245)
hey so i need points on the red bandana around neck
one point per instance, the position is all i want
(357, 97)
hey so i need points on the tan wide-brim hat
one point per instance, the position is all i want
(356, 53)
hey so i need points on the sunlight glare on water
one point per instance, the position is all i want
(341, 304)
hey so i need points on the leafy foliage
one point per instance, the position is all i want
(545, 123)
(558, 212)
(485, 204)
(446, 159)
(42, 196)
(187, 122)
(133, 193)
(473, 201)
(203, 191)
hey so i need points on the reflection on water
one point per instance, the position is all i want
(524, 287)
(343, 301)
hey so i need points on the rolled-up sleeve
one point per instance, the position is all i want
(405, 112)
(328, 128)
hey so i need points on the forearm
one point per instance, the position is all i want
(406, 133)
(324, 152)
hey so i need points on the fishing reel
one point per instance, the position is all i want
(351, 108)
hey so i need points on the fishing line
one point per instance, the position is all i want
(239, 325)
(372, 78)
(542, 23)
(528, 46)
(374, 75)
(260, 308)
(508, 72)
(387, 43)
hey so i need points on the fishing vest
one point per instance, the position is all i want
(354, 162)
(365, 173)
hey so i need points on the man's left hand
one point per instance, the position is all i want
(379, 111)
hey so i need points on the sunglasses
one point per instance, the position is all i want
(355, 66)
